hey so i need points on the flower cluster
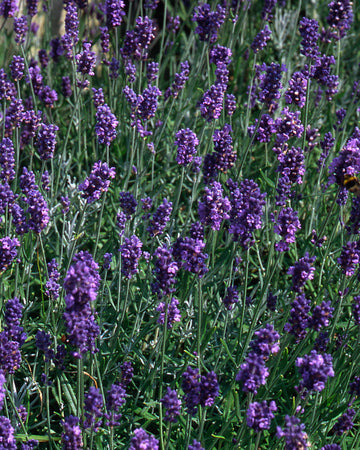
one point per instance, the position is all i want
(259, 415)
(169, 311)
(302, 271)
(130, 255)
(186, 142)
(97, 182)
(294, 434)
(247, 204)
(209, 22)
(172, 404)
(315, 369)
(214, 208)
(165, 271)
(81, 285)
(199, 390)
(188, 251)
(160, 218)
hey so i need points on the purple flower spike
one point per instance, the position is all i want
(81, 285)
(345, 422)
(214, 208)
(260, 40)
(172, 405)
(160, 218)
(71, 437)
(115, 398)
(253, 373)
(97, 182)
(173, 313)
(8, 252)
(309, 32)
(142, 440)
(46, 141)
(209, 22)
(287, 225)
(302, 271)
(315, 370)
(7, 439)
(186, 142)
(93, 409)
(259, 415)
(294, 434)
(86, 60)
(130, 255)
(106, 124)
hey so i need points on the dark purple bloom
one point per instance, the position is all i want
(299, 317)
(93, 405)
(7, 160)
(346, 163)
(294, 434)
(46, 141)
(152, 71)
(104, 39)
(288, 125)
(315, 369)
(191, 386)
(66, 87)
(71, 437)
(296, 93)
(214, 208)
(97, 182)
(321, 316)
(20, 29)
(247, 204)
(43, 58)
(48, 96)
(267, 12)
(309, 32)
(17, 67)
(147, 102)
(196, 445)
(266, 341)
(173, 312)
(130, 70)
(209, 389)
(220, 55)
(260, 40)
(7, 88)
(172, 405)
(292, 168)
(7, 439)
(331, 447)
(30, 444)
(271, 301)
(286, 226)
(8, 252)
(81, 285)
(165, 271)
(52, 285)
(86, 60)
(31, 123)
(127, 373)
(345, 422)
(180, 80)
(356, 309)
(43, 343)
(65, 203)
(321, 342)
(302, 271)
(121, 220)
(253, 373)
(2, 389)
(142, 440)
(56, 49)
(340, 17)
(160, 218)
(13, 315)
(8, 8)
(265, 129)
(72, 22)
(114, 67)
(45, 181)
(224, 153)
(270, 84)
(211, 103)
(259, 415)
(114, 10)
(107, 261)
(186, 142)
(349, 258)
(232, 297)
(209, 22)
(130, 255)
(230, 104)
(128, 204)
(32, 7)
(137, 41)
(115, 398)
(98, 97)
(188, 251)
(106, 124)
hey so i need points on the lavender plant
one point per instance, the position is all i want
(179, 225)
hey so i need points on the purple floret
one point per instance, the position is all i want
(97, 182)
